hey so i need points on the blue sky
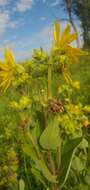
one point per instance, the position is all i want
(27, 24)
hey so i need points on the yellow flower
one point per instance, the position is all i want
(14, 105)
(74, 109)
(24, 103)
(63, 42)
(76, 85)
(9, 70)
(6, 70)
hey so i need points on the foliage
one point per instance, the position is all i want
(46, 129)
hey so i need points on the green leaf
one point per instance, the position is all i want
(88, 139)
(68, 152)
(50, 138)
(32, 140)
(29, 151)
(41, 166)
(21, 184)
(87, 180)
(35, 132)
(77, 164)
(38, 176)
(39, 162)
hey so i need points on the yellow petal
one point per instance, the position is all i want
(66, 31)
(76, 85)
(9, 57)
(72, 37)
(3, 66)
(65, 35)
(75, 53)
(67, 77)
(7, 85)
(66, 40)
(3, 74)
(57, 33)
(4, 82)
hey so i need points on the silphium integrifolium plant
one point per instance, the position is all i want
(51, 127)
(64, 50)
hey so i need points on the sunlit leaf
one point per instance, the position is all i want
(50, 138)
(57, 33)
(21, 184)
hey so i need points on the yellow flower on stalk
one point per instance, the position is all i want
(6, 70)
(9, 70)
(62, 43)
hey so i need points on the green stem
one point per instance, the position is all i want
(49, 79)
(49, 94)
(55, 187)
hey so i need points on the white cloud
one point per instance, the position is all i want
(44, 1)
(24, 5)
(43, 18)
(22, 55)
(4, 2)
(42, 38)
(7, 22)
(4, 21)
(13, 24)
(23, 47)
(55, 3)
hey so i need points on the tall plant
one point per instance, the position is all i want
(51, 124)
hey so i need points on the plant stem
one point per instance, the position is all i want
(49, 94)
(51, 163)
(49, 79)
(55, 187)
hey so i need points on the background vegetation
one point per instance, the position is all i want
(14, 164)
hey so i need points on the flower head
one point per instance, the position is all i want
(62, 43)
(6, 70)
